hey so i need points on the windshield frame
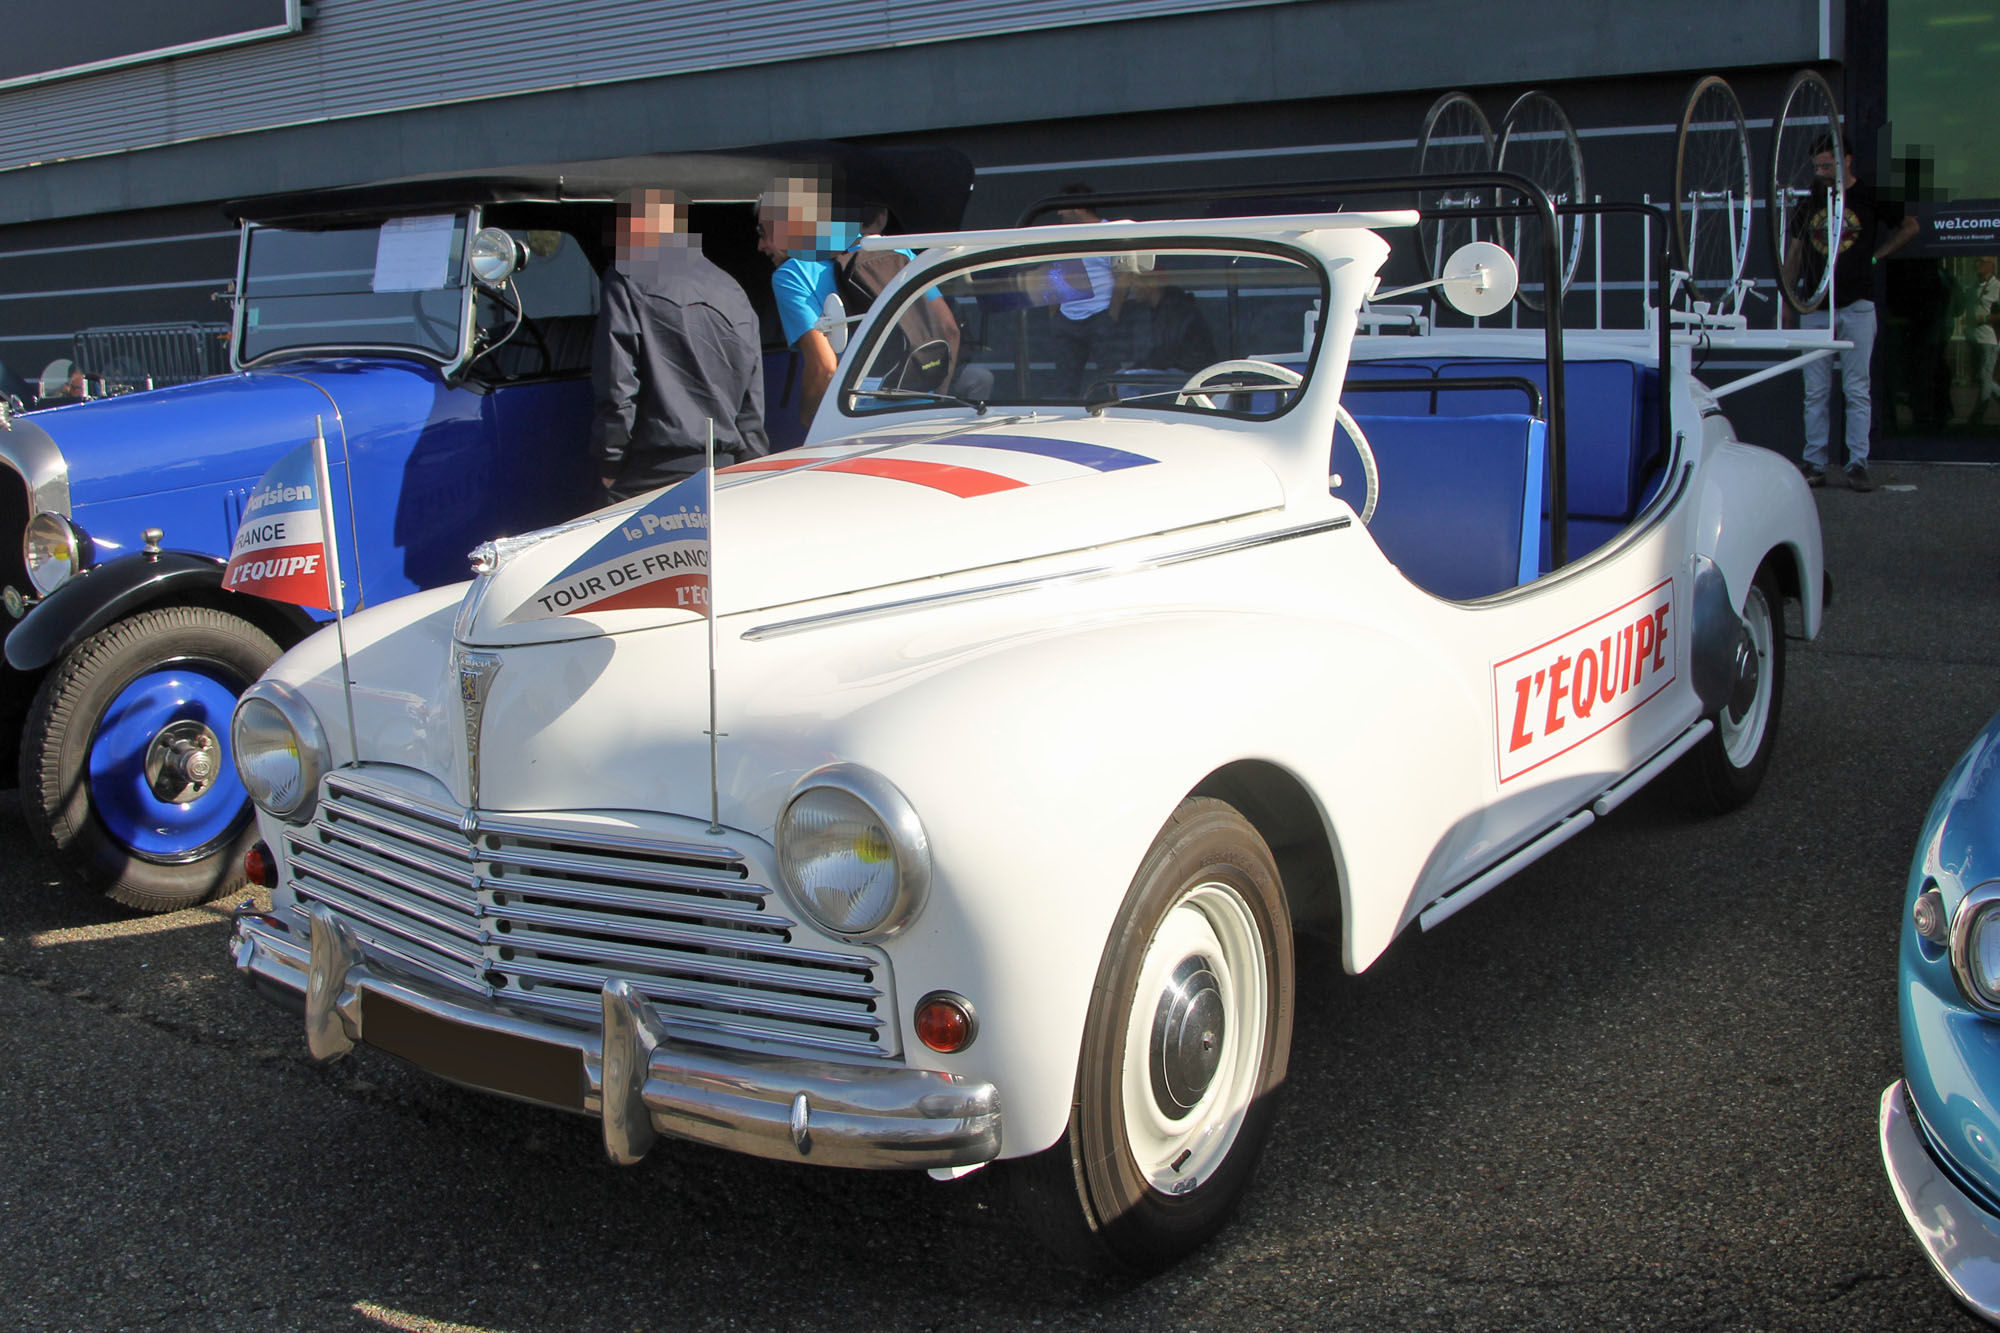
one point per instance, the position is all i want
(450, 364)
(932, 267)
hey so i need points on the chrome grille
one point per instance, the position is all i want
(542, 910)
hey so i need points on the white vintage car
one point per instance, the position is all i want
(976, 825)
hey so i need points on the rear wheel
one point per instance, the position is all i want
(127, 779)
(1184, 1051)
(1727, 766)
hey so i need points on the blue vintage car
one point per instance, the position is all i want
(1940, 1122)
(455, 409)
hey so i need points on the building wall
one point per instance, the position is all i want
(109, 181)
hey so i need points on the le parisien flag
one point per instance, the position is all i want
(657, 557)
(285, 544)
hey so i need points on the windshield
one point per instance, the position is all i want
(1087, 328)
(396, 285)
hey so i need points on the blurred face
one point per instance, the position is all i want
(650, 218)
(1826, 167)
(796, 217)
(1983, 266)
(1077, 215)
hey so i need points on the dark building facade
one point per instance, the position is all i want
(118, 141)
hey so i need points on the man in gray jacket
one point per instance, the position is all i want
(677, 346)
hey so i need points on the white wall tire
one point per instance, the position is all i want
(1725, 770)
(1184, 1052)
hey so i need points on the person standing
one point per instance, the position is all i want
(1980, 332)
(1863, 216)
(677, 346)
(800, 232)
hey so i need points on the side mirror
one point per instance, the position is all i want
(1480, 279)
(833, 322)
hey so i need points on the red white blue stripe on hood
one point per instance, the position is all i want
(962, 465)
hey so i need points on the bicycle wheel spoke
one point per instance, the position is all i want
(1456, 139)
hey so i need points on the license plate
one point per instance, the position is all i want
(496, 1061)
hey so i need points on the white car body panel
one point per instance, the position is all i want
(1047, 672)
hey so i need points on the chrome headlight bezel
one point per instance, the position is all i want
(495, 256)
(308, 745)
(1980, 907)
(903, 833)
(54, 550)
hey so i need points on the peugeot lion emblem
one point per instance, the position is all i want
(475, 678)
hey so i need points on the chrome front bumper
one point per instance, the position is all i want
(1961, 1236)
(633, 1075)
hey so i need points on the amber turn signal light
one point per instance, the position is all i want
(261, 867)
(945, 1022)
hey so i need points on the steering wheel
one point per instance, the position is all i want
(1367, 455)
(1286, 377)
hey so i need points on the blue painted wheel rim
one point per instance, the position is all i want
(174, 701)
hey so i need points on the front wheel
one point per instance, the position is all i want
(1184, 1052)
(127, 779)
(1726, 767)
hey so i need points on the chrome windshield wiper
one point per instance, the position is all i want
(926, 395)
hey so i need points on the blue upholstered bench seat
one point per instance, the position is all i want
(1459, 509)
(1613, 447)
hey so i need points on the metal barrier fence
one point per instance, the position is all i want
(128, 357)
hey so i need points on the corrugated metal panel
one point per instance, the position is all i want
(361, 57)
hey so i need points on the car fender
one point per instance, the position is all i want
(1752, 503)
(109, 592)
(1949, 1047)
(1041, 803)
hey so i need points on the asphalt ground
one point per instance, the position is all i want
(1634, 1088)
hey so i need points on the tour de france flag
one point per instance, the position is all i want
(284, 545)
(657, 557)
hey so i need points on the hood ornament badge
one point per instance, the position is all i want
(475, 678)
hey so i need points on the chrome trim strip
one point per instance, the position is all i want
(708, 909)
(863, 1114)
(1978, 900)
(1090, 574)
(1960, 1236)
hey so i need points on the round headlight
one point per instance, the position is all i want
(495, 255)
(853, 853)
(54, 551)
(1975, 946)
(280, 750)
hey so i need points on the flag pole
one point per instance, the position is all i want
(335, 602)
(714, 768)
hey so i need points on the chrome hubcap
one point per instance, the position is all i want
(1187, 1038)
(183, 761)
(1749, 668)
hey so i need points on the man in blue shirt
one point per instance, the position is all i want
(799, 231)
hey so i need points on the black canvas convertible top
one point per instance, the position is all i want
(926, 188)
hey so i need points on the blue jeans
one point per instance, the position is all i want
(1856, 324)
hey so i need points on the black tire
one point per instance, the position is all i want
(1538, 141)
(1713, 194)
(1207, 912)
(1727, 766)
(1456, 138)
(1808, 114)
(63, 728)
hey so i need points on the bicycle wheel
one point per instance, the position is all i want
(1537, 141)
(1801, 202)
(1457, 138)
(1712, 189)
